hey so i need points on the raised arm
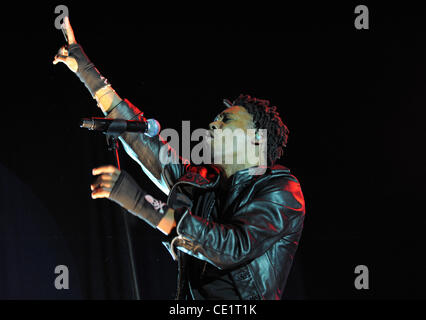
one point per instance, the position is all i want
(143, 149)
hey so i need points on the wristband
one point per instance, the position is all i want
(87, 71)
(127, 193)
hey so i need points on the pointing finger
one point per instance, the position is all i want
(70, 33)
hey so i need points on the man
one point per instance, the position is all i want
(234, 233)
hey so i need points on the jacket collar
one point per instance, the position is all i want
(209, 176)
(253, 173)
(201, 176)
(242, 176)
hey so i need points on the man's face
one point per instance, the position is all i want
(230, 135)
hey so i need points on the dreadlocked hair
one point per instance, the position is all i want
(266, 117)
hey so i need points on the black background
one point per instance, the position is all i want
(353, 100)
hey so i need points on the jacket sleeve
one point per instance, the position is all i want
(274, 212)
(157, 159)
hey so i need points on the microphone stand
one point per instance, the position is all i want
(112, 142)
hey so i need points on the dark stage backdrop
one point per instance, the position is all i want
(353, 101)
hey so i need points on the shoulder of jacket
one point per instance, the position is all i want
(277, 178)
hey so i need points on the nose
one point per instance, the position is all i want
(214, 125)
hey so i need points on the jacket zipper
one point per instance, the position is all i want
(205, 262)
(181, 237)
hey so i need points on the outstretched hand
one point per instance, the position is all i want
(107, 177)
(62, 55)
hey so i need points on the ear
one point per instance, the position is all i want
(258, 139)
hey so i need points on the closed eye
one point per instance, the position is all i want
(223, 117)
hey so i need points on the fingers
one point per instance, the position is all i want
(106, 169)
(102, 186)
(60, 58)
(107, 176)
(70, 33)
(70, 62)
(104, 180)
(62, 55)
(63, 51)
(101, 193)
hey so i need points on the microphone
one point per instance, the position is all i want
(149, 127)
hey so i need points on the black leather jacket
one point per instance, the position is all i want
(252, 234)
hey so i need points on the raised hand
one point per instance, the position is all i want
(63, 54)
(77, 61)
